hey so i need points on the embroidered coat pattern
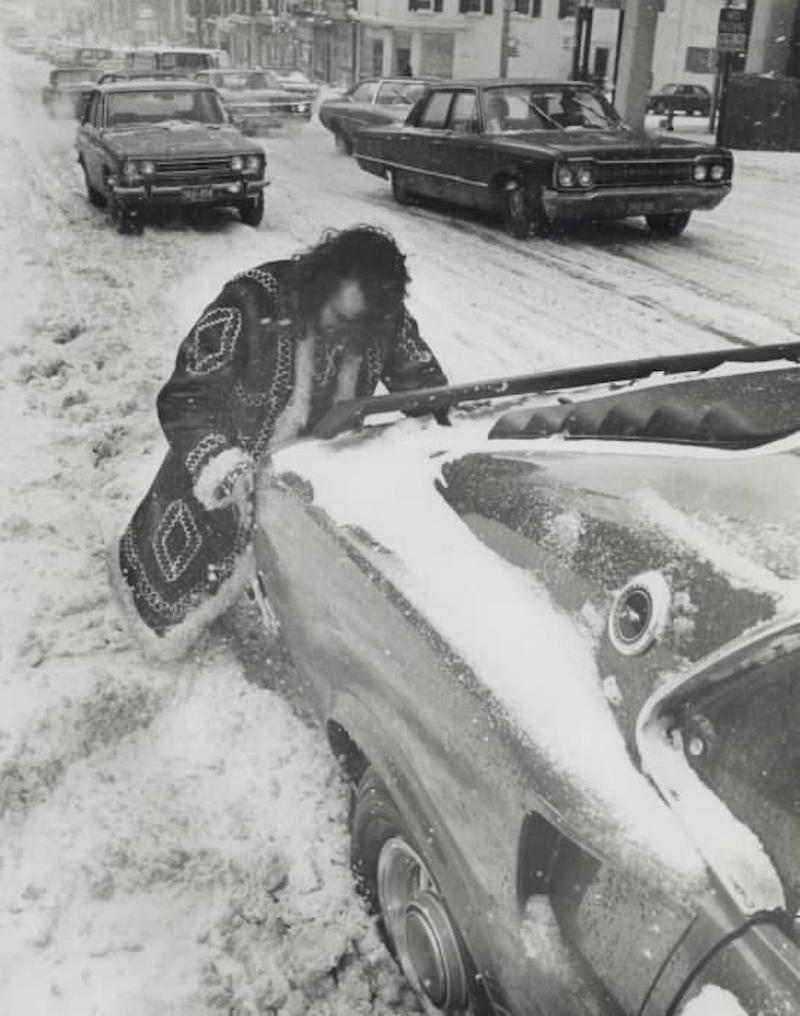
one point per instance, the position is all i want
(246, 378)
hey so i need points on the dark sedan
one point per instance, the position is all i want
(537, 152)
(144, 144)
(255, 98)
(556, 648)
(367, 104)
(676, 98)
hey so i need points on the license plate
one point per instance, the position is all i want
(642, 206)
(198, 193)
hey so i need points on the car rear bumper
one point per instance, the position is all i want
(622, 202)
(226, 192)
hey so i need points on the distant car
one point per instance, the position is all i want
(369, 103)
(67, 89)
(296, 82)
(106, 77)
(556, 648)
(676, 98)
(255, 99)
(144, 144)
(537, 152)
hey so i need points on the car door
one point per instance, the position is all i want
(425, 149)
(356, 108)
(465, 160)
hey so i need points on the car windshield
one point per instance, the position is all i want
(399, 93)
(240, 81)
(744, 743)
(132, 108)
(513, 108)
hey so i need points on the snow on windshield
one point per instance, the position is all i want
(493, 615)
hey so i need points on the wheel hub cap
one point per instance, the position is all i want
(423, 934)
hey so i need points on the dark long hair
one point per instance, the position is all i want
(364, 254)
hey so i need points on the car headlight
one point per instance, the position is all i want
(301, 107)
(717, 172)
(700, 172)
(237, 163)
(565, 176)
(253, 164)
(585, 176)
(130, 169)
(147, 168)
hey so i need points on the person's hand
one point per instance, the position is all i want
(236, 487)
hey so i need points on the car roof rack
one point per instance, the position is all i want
(348, 415)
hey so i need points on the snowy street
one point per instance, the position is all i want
(173, 838)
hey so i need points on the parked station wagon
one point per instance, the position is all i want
(537, 152)
(556, 647)
(147, 143)
(255, 98)
(367, 104)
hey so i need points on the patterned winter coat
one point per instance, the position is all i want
(247, 378)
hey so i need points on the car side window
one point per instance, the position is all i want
(365, 92)
(93, 112)
(464, 114)
(434, 115)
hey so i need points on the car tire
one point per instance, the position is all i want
(671, 224)
(395, 880)
(522, 215)
(127, 220)
(400, 190)
(344, 145)
(251, 212)
(94, 196)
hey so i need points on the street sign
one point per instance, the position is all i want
(732, 30)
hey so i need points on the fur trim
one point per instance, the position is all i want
(295, 414)
(214, 472)
(176, 642)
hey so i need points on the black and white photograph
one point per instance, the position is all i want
(400, 512)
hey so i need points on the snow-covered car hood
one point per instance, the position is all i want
(178, 138)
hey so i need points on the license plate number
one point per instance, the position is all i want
(198, 193)
(642, 207)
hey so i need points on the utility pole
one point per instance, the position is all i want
(634, 75)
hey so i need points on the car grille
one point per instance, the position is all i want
(213, 168)
(643, 171)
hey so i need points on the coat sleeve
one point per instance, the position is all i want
(194, 406)
(411, 364)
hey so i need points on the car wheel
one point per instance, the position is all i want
(252, 212)
(668, 225)
(126, 219)
(522, 215)
(400, 190)
(95, 197)
(343, 144)
(417, 927)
